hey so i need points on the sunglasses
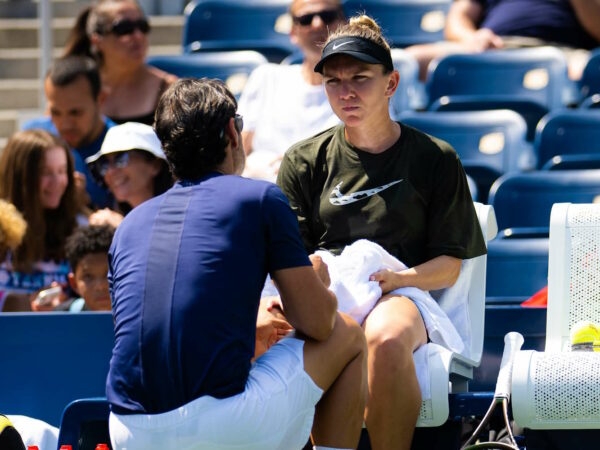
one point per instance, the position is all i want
(127, 26)
(327, 16)
(238, 122)
(116, 160)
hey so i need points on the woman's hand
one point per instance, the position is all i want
(387, 279)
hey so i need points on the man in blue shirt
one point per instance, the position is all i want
(199, 361)
(74, 95)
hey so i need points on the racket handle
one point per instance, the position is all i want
(512, 344)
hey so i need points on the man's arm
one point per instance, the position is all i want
(588, 14)
(463, 20)
(308, 305)
(437, 273)
(462, 26)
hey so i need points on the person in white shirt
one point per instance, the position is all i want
(282, 104)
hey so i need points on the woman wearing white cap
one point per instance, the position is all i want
(132, 165)
(375, 179)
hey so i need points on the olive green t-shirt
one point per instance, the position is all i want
(412, 199)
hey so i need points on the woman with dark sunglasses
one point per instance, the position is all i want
(282, 104)
(115, 33)
(132, 165)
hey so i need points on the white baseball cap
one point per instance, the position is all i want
(129, 136)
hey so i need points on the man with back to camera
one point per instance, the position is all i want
(193, 366)
(74, 95)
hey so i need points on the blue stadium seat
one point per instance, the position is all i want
(531, 110)
(233, 67)
(517, 268)
(524, 200)
(84, 424)
(591, 102)
(51, 359)
(536, 74)
(499, 320)
(405, 22)
(489, 143)
(261, 25)
(589, 83)
(410, 93)
(564, 136)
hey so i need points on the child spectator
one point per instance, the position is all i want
(87, 252)
(37, 176)
(12, 227)
(12, 230)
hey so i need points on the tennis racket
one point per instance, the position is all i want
(512, 344)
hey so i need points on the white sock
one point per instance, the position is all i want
(320, 447)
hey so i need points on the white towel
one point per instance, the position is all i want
(35, 432)
(447, 320)
(357, 295)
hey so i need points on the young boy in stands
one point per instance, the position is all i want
(87, 250)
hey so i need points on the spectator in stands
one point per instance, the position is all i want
(132, 165)
(375, 179)
(479, 25)
(115, 33)
(171, 266)
(10, 439)
(12, 231)
(33, 432)
(74, 98)
(36, 175)
(12, 228)
(87, 252)
(282, 104)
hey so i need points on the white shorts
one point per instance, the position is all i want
(275, 411)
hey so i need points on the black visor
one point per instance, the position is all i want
(362, 49)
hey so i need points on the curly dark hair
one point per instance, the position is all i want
(88, 240)
(190, 121)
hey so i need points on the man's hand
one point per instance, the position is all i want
(484, 39)
(271, 325)
(321, 269)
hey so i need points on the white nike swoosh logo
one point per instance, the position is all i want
(336, 46)
(338, 199)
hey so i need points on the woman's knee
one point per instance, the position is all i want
(393, 347)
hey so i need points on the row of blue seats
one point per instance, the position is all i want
(541, 131)
(264, 24)
(538, 75)
(54, 359)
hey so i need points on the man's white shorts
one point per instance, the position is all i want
(275, 411)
